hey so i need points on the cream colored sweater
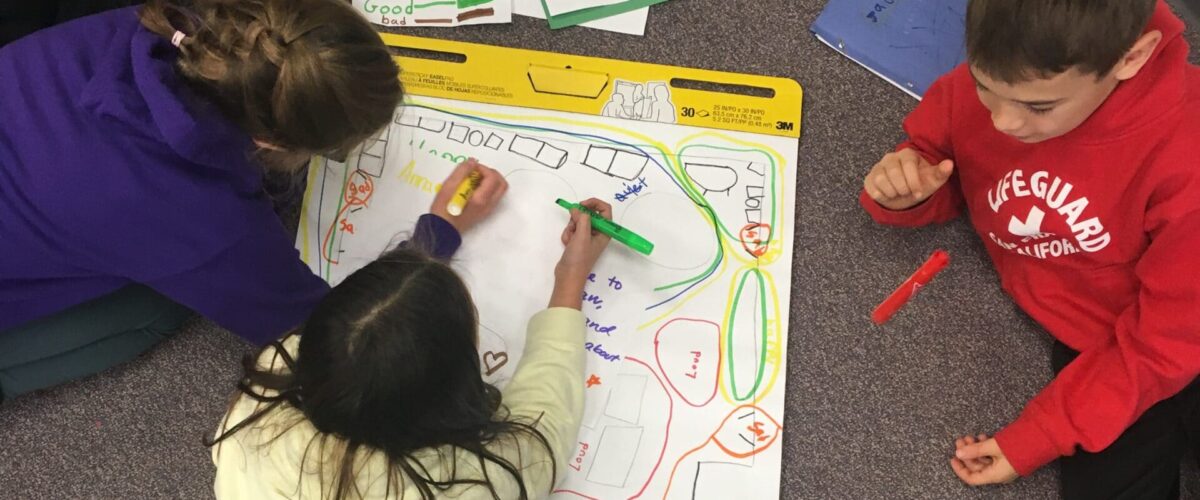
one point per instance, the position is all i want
(547, 384)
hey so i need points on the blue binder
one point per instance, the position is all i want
(907, 42)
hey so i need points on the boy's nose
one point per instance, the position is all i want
(1007, 120)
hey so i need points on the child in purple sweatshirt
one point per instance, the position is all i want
(132, 149)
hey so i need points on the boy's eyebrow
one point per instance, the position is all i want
(1027, 103)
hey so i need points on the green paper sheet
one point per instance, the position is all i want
(591, 14)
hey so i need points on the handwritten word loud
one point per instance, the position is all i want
(577, 464)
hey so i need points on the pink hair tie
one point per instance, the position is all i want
(177, 38)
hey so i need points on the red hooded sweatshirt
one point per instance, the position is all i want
(1096, 234)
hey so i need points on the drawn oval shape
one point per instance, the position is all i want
(746, 335)
(359, 189)
(755, 238)
(475, 138)
(685, 241)
(688, 352)
(746, 431)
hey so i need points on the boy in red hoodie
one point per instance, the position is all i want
(1070, 138)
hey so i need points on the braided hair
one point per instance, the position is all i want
(304, 76)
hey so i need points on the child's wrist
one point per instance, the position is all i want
(568, 292)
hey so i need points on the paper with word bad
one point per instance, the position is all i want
(407, 13)
(685, 347)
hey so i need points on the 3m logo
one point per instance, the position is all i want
(785, 126)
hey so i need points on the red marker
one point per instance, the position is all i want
(938, 261)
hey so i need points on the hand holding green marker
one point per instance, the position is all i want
(610, 228)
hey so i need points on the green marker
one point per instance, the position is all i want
(614, 230)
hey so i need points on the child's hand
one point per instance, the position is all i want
(484, 199)
(583, 249)
(904, 179)
(978, 461)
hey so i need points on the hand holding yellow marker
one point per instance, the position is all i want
(468, 195)
(462, 194)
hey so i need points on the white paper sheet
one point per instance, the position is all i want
(560, 7)
(686, 348)
(629, 23)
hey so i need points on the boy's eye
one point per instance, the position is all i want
(1039, 111)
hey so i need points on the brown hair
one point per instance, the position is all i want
(308, 76)
(1018, 40)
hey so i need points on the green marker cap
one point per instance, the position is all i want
(612, 229)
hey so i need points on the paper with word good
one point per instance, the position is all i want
(406, 13)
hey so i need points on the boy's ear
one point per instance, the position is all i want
(1137, 57)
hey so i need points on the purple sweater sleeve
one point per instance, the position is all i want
(434, 236)
(258, 288)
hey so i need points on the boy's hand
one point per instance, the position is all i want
(484, 199)
(904, 179)
(583, 249)
(978, 461)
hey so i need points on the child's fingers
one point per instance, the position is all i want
(975, 465)
(884, 186)
(598, 206)
(910, 166)
(872, 191)
(934, 176)
(503, 186)
(912, 176)
(452, 181)
(581, 235)
(960, 470)
(968, 475)
(944, 170)
(600, 240)
(569, 229)
(500, 187)
(491, 185)
(895, 174)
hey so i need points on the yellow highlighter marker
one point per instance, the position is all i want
(458, 202)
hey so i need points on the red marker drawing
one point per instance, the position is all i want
(938, 261)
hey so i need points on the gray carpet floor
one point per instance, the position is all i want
(872, 412)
